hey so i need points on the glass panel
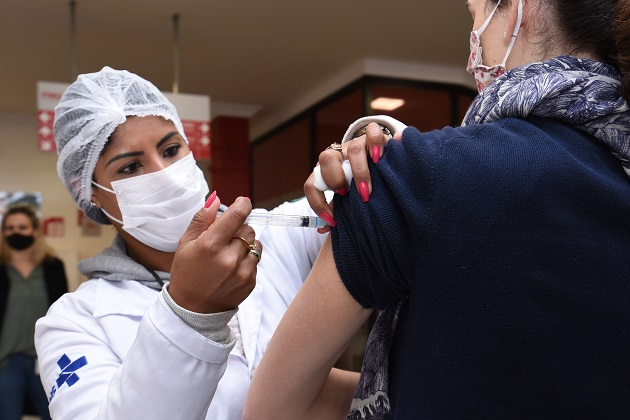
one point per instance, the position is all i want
(425, 109)
(464, 102)
(333, 119)
(281, 164)
(282, 161)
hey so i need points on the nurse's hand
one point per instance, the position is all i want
(212, 270)
(371, 143)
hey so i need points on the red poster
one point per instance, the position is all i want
(53, 227)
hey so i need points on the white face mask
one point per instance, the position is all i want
(157, 207)
(484, 75)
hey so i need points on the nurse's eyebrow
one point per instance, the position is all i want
(123, 155)
(165, 139)
(141, 153)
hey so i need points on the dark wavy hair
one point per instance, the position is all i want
(600, 28)
(621, 30)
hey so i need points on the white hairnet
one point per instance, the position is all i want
(88, 113)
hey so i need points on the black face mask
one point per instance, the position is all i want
(19, 242)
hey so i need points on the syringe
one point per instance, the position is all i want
(256, 218)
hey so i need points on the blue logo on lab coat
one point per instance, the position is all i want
(68, 372)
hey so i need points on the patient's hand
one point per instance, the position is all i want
(370, 141)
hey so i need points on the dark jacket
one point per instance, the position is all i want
(54, 277)
(510, 241)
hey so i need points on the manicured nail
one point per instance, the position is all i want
(364, 191)
(376, 154)
(249, 198)
(342, 192)
(211, 199)
(328, 218)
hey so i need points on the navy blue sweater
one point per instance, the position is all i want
(512, 242)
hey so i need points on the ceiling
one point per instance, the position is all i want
(272, 56)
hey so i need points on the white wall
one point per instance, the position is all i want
(24, 168)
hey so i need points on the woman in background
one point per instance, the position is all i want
(31, 279)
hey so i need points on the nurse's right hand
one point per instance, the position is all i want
(212, 271)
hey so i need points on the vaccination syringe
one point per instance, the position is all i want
(255, 218)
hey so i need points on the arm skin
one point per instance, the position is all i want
(294, 379)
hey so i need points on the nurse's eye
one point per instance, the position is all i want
(130, 168)
(171, 151)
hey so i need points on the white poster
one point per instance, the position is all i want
(48, 95)
(193, 110)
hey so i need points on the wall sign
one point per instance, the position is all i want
(194, 111)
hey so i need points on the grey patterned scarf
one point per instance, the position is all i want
(371, 400)
(582, 93)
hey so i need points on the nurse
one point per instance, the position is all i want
(177, 313)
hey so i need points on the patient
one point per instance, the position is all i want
(496, 252)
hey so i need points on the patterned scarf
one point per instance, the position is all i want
(371, 400)
(582, 93)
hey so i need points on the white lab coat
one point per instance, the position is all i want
(115, 349)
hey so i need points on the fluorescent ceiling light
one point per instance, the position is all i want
(387, 104)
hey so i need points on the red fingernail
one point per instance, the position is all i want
(364, 191)
(211, 199)
(342, 192)
(376, 154)
(328, 218)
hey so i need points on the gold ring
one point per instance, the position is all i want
(337, 147)
(255, 252)
(251, 248)
(247, 245)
